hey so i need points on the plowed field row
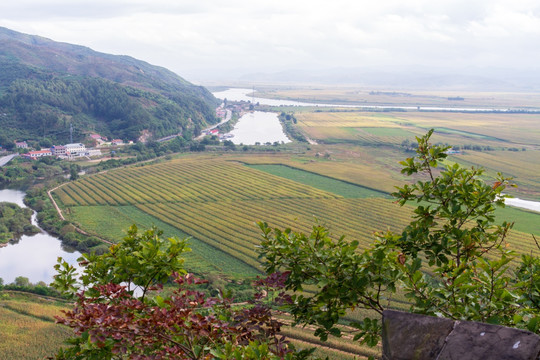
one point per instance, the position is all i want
(195, 182)
(230, 226)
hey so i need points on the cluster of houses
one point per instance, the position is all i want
(68, 151)
(216, 133)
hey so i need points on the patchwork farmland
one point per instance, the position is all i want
(217, 203)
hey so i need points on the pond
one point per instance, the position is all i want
(258, 127)
(33, 256)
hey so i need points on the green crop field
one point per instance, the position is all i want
(339, 187)
(525, 221)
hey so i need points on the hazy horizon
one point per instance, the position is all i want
(490, 41)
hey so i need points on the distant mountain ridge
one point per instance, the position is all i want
(117, 95)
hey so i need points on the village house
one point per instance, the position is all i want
(93, 152)
(117, 142)
(37, 154)
(76, 149)
(221, 113)
(59, 151)
(21, 145)
(99, 140)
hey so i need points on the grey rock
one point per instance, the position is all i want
(411, 336)
(473, 340)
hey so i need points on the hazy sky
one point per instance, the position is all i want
(197, 38)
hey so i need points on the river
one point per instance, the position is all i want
(525, 204)
(33, 256)
(241, 94)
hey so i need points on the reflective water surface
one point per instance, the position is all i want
(258, 126)
(34, 256)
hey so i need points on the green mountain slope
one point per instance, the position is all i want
(46, 85)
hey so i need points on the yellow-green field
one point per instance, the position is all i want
(28, 330)
(501, 142)
(491, 129)
(217, 202)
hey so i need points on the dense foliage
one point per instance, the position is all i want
(451, 260)
(289, 121)
(23, 284)
(36, 108)
(23, 172)
(14, 222)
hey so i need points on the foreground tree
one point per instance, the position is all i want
(119, 312)
(451, 260)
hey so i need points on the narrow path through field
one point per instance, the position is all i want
(54, 202)
(77, 229)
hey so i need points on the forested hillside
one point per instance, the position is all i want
(46, 85)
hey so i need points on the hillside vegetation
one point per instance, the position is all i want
(45, 86)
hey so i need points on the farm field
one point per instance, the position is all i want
(220, 211)
(491, 129)
(28, 327)
(506, 143)
(338, 187)
(217, 202)
(203, 259)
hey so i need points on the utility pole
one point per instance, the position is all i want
(71, 133)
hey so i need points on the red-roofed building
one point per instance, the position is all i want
(37, 154)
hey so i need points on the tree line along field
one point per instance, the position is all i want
(217, 202)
